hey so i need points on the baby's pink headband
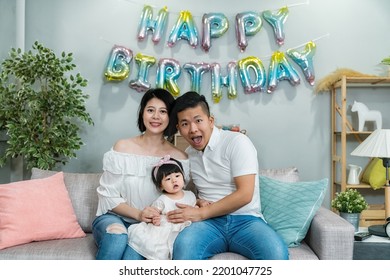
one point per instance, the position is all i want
(165, 160)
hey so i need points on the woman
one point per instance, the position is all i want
(126, 188)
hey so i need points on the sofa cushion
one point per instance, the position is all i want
(375, 174)
(82, 191)
(61, 249)
(35, 210)
(289, 207)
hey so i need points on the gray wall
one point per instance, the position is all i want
(290, 127)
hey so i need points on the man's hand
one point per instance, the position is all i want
(184, 213)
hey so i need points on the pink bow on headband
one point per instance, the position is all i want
(165, 160)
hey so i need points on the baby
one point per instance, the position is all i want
(155, 240)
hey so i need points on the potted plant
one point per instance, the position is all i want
(350, 204)
(386, 61)
(42, 107)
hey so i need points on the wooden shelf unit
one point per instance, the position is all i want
(376, 214)
(180, 142)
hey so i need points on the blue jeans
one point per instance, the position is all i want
(112, 246)
(246, 235)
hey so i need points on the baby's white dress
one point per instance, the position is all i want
(156, 242)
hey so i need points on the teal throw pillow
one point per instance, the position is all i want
(289, 207)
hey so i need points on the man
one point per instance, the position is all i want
(224, 169)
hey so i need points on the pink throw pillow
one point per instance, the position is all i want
(36, 210)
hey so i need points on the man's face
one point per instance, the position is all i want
(195, 126)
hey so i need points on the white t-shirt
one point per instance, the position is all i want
(227, 155)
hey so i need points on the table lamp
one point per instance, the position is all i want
(377, 145)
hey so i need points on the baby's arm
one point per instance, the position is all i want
(202, 202)
(159, 205)
(156, 221)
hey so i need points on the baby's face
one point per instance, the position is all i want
(173, 182)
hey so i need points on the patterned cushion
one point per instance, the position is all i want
(289, 207)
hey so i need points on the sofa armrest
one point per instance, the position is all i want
(330, 236)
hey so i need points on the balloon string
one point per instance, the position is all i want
(314, 40)
(200, 16)
(262, 57)
(301, 45)
(142, 4)
(266, 57)
(105, 40)
(299, 4)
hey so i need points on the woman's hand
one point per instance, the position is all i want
(184, 213)
(148, 214)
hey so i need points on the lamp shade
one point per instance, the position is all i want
(375, 145)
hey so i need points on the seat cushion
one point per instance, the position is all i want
(83, 248)
(302, 252)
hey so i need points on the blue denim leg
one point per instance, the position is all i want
(253, 238)
(243, 234)
(131, 254)
(111, 246)
(200, 241)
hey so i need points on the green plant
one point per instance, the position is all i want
(349, 201)
(386, 61)
(41, 107)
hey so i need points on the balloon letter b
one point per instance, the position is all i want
(118, 64)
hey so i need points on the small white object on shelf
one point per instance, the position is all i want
(354, 173)
(365, 114)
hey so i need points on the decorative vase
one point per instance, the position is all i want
(353, 218)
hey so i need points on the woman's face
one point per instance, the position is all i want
(155, 116)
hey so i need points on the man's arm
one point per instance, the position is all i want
(243, 195)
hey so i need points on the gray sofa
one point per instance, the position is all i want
(329, 236)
